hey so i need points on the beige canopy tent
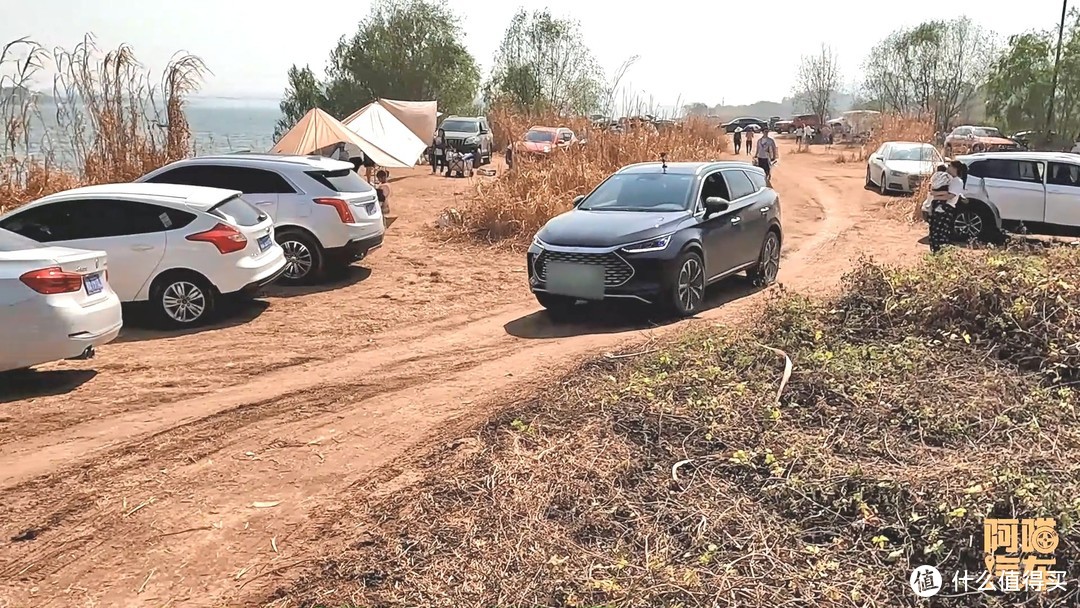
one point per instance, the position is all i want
(316, 131)
(385, 138)
(421, 117)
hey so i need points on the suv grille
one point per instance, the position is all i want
(616, 270)
(455, 142)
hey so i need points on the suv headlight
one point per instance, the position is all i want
(657, 244)
(896, 174)
(537, 242)
(472, 140)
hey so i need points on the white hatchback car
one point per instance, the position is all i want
(55, 303)
(178, 247)
(324, 213)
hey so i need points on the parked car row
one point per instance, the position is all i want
(179, 239)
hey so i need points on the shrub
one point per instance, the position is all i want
(512, 207)
(109, 124)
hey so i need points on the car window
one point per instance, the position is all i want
(93, 219)
(713, 185)
(1009, 169)
(757, 179)
(566, 136)
(738, 184)
(244, 179)
(641, 192)
(343, 180)
(1064, 174)
(238, 211)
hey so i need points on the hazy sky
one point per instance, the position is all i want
(690, 50)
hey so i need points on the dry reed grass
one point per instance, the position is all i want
(107, 121)
(512, 207)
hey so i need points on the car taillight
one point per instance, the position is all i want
(341, 206)
(226, 238)
(52, 280)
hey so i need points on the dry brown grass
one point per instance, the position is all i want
(920, 401)
(108, 122)
(512, 207)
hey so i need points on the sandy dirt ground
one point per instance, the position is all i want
(202, 469)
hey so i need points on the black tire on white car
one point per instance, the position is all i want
(975, 222)
(304, 257)
(182, 298)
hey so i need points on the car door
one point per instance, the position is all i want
(718, 230)
(1063, 194)
(877, 164)
(131, 233)
(748, 219)
(1015, 187)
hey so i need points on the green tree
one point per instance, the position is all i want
(695, 109)
(303, 93)
(542, 63)
(1018, 89)
(405, 49)
(934, 69)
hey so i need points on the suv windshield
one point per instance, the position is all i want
(986, 132)
(344, 180)
(641, 192)
(923, 153)
(540, 136)
(461, 126)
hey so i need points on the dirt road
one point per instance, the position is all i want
(199, 469)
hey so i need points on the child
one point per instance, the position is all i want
(382, 190)
(939, 182)
(749, 141)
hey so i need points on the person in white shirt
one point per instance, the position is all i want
(798, 138)
(943, 207)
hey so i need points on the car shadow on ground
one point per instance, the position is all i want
(30, 383)
(616, 317)
(139, 325)
(350, 275)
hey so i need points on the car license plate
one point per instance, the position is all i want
(265, 242)
(582, 281)
(93, 284)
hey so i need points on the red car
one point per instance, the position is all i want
(544, 140)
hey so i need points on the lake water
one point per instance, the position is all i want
(217, 125)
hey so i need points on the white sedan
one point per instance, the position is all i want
(55, 303)
(901, 166)
(177, 247)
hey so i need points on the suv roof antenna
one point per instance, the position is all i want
(663, 161)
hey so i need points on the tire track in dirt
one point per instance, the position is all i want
(300, 437)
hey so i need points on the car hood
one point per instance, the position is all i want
(584, 228)
(911, 167)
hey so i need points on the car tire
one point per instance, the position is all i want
(687, 295)
(182, 299)
(883, 187)
(975, 222)
(305, 260)
(869, 182)
(559, 308)
(765, 271)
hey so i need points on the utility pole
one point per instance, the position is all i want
(1057, 65)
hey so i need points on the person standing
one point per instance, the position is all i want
(737, 138)
(798, 137)
(749, 140)
(808, 135)
(438, 151)
(943, 207)
(766, 155)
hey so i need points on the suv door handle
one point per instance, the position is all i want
(736, 220)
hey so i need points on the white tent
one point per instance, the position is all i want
(385, 139)
(420, 116)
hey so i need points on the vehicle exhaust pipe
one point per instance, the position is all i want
(86, 354)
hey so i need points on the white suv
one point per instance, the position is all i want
(324, 213)
(1032, 192)
(178, 247)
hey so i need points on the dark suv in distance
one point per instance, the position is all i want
(658, 233)
(469, 134)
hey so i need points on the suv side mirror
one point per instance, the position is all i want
(578, 199)
(716, 204)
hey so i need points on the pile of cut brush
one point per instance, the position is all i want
(916, 404)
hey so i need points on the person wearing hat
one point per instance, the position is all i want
(736, 136)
